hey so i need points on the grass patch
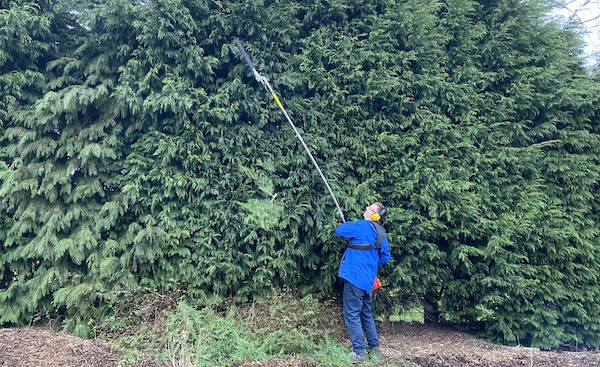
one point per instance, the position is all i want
(413, 314)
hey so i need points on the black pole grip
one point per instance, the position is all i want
(238, 43)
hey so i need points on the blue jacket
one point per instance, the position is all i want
(359, 267)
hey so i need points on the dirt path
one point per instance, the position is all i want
(427, 345)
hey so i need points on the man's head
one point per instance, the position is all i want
(374, 212)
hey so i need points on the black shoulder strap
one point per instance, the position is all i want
(380, 234)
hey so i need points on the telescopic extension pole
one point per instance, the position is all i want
(269, 89)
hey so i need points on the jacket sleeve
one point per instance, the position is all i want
(346, 230)
(384, 253)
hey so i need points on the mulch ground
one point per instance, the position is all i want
(437, 346)
(44, 347)
(425, 345)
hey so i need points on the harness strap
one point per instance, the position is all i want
(361, 246)
(367, 246)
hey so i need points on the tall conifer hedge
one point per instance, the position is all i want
(138, 153)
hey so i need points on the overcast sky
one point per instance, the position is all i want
(588, 12)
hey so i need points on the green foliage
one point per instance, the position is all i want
(61, 152)
(138, 152)
(172, 330)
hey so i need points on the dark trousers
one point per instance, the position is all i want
(359, 317)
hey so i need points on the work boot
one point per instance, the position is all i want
(357, 358)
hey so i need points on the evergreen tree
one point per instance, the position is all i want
(520, 278)
(25, 48)
(64, 149)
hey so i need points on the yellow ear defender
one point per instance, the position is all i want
(375, 217)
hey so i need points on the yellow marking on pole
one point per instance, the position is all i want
(277, 100)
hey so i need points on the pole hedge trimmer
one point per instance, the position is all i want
(269, 89)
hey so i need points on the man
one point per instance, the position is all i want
(358, 269)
